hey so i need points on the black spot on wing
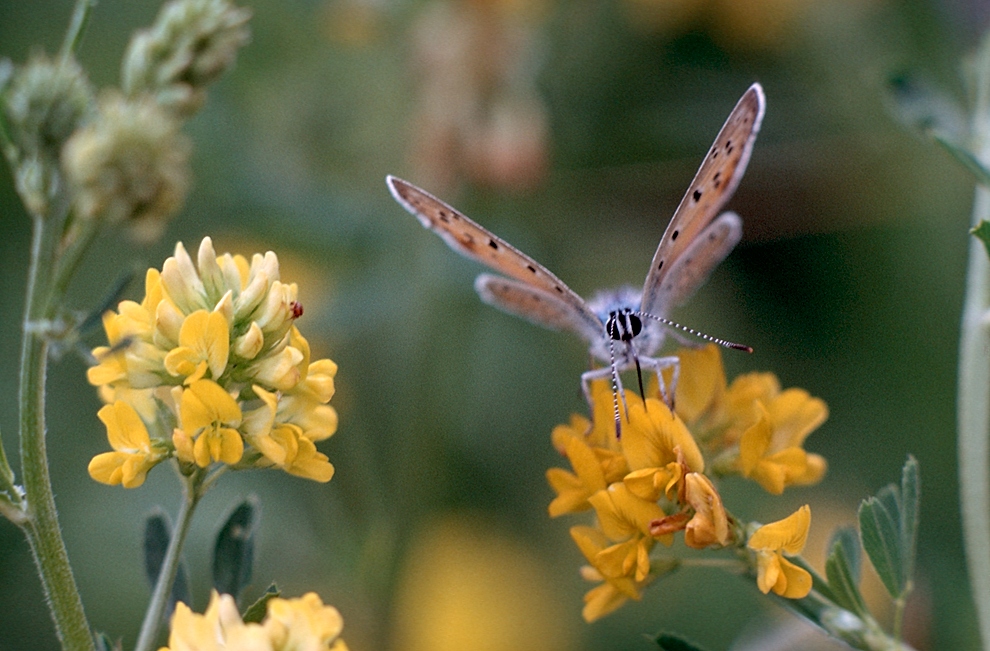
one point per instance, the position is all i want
(697, 195)
(531, 268)
(673, 236)
(492, 243)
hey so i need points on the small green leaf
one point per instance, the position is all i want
(157, 534)
(104, 643)
(233, 552)
(842, 570)
(910, 512)
(849, 539)
(674, 642)
(881, 538)
(257, 611)
(982, 233)
(966, 158)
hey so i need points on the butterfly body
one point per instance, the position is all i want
(624, 327)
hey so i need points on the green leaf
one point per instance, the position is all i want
(881, 539)
(982, 233)
(157, 534)
(888, 525)
(910, 514)
(849, 539)
(842, 570)
(233, 552)
(966, 158)
(257, 611)
(674, 642)
(104, 643)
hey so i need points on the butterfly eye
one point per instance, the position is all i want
(623, 326)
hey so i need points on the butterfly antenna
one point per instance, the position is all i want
(615, 389)
(700, 335)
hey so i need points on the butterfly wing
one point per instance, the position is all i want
(476, 242)
(712, 186)
(534, 305)
(692, 268)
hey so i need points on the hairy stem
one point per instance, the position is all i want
(41, 523)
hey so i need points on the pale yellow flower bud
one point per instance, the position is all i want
(191, 44)
(249, 344)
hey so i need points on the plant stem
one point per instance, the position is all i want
(170, 566)
(973, 405)
(41, 524)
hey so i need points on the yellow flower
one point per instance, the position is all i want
(624, 519)
(574, 489)
(658, 448)
(213, 348)
(710, 524)
(701, 386)
(302, 624)
(621, 514)
(770, 451)
(210, 416)
(658, 465)
(204, 344)
(218, 629)
(770, 542)
(616, 587)
(134, 453)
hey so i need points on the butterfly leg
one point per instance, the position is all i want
(659, 364)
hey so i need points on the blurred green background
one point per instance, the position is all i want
(571, 128)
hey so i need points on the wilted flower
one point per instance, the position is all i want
(129, 164)
(44, 103)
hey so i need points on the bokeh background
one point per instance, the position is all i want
(571, 128)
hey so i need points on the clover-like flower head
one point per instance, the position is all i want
(211, 366)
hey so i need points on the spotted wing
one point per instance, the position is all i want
(712, 186)
(535, 305)
(692, 268)
(474, 241)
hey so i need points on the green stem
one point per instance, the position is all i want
(898, 628)
(973, 402)
(859, 633)
(41, 524)
(170, 566)
(80, 16)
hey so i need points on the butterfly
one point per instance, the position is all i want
(624, 327)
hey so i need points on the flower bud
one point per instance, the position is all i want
(191, 44)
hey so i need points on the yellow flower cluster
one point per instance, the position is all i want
(657, 478)
(291, 625)
(210, 368)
